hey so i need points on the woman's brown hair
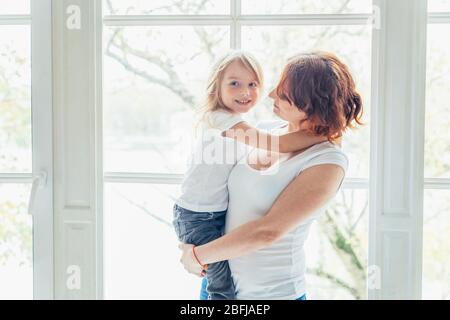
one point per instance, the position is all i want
(320, 85)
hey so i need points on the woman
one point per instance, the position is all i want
(273, 199)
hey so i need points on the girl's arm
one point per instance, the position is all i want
(285, 143)
(307, 193)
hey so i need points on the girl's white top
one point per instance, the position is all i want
(278, 271)
(204, 187)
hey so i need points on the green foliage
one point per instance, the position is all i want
(15, 108)
(15, 233)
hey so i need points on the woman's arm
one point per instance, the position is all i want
(284, 143)
(307, 193)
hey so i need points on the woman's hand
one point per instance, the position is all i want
(188, 260)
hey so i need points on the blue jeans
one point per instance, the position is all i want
(199, 228)
(204, 293)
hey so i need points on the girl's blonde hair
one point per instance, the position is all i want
(213, 99)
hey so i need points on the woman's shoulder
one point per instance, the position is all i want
(327, 146)
(326, 153)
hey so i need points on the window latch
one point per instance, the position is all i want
(39, 182)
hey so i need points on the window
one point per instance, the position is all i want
(151, 90)
(156, 59)
(16, 249)
(337, 248)
(13, 7)
(139, 216)
(438, 6)
(436, 223)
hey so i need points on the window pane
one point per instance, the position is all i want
(141, 248)
(15, 101)
(351, 43)
(15, 7)
(336, 249)
(164, 7)
(437, 117)
(439, 5)
(436, 244)
(16, 248)
(305, 6)
(154, 77)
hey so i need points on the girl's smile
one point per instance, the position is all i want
(239, 88)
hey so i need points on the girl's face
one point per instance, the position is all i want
(239, 88)
(287, 111)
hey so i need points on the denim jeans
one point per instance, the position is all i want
(204, 294)
(199, 228)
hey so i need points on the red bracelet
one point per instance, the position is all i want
(204, 266)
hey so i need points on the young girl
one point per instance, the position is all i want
(199, 213)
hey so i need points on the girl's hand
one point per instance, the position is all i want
(188, 260)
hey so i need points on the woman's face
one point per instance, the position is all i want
(285, 110)
(239, 88)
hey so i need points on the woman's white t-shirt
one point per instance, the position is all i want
(204, 187)
(278, 271)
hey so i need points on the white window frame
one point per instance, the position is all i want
(42, 121)
(397, 141)
(395, 219)
(39, 21)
